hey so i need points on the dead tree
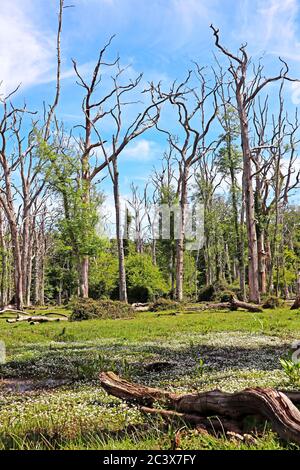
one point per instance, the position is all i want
(95, 146)
(17, 165)
(190, 103)
(245, 92)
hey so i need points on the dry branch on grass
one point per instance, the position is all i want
(228, 408)
(37, 318)
(234, 304)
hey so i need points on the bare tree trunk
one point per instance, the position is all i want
(3, 248)
(254, 295)
(84, 277)
(120, 242)
(181, 235)
(262, 262)
(18, 271)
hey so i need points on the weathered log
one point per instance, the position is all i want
(213, 424)
(12, 310)
(36, 319)
(235, 304)
(270, 404)
(211, 306)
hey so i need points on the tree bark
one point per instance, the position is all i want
(120, 241)
(270, 404)
(181, 236)
(254, 295)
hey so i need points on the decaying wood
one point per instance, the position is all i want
(12, 310)
(213, 424)
(234, 304)
(272, 405)
(139, 307)
(36, 319)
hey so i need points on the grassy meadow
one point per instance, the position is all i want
(51, 398)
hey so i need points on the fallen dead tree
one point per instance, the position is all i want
(34, 319)
(141, 307)
(203, 410)
(12, 310)
(234, 304)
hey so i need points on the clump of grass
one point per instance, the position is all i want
(162, 304)
(89, 309)
(291, 370)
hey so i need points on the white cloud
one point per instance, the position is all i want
(27, 54)
(140, 151)
(271, 26)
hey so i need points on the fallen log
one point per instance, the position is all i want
(272, 405)
(235, 304)
(12, 310)
(36, 319)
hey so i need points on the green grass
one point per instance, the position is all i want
(227, 350)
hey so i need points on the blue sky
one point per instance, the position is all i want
(157, 37)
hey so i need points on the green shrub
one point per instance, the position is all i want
(89, 309)
(291, 370)
(164, 304)
(144, 279)
(227, 296)
(212, 292)
(272, 302)
(140, 294)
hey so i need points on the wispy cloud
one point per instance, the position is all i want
(141, 151)
(27, 54)
(270, 26)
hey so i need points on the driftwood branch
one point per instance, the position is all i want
(269, 404)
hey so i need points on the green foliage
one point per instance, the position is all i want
(212, 292)
(103, 275)
(89, 309)
(227, 296)
(144, 275)
(273, 302)
(164, 304)
(79, 198)
(189, 275)
(292, 371)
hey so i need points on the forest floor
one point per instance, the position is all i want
(50, 397)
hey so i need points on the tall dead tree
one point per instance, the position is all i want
(95, 145)
(190, 102)
(245, 91)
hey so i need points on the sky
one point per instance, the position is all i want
(160, 38)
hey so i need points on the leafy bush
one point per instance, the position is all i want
(89, 309)
(164, 304)
(227, 296)
(103, 275)
(145, 281)
(272, 302)
(139, 294)
(212, 292)
(292, 371)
